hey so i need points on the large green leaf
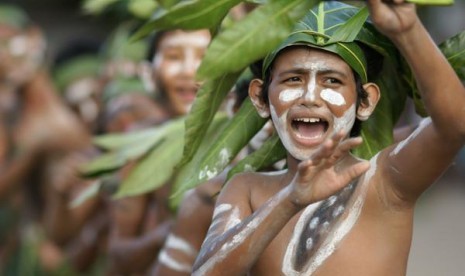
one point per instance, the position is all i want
(377, 131)
(252, 38)
(155, 169)
(268, 154)
(244, 125)
(121, 140)
(184, 173)
(128, 146)
(454, 50)
(189, 15)
(208, 100)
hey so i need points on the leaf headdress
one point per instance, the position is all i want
(341, 29)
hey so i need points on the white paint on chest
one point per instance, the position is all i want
(336, 234)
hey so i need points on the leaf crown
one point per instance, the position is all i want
(336, 27)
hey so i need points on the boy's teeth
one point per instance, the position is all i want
(308, 120)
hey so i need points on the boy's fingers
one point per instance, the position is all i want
(354, 171)
(343, 148)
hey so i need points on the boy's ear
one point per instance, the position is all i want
(256, 96)
(368, 105)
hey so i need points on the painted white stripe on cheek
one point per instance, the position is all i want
(290, 95)
(345, 122)
(332, 97)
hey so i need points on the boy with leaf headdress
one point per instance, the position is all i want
(331, 213)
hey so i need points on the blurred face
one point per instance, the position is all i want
(175, 63)
(82, 97)
(21, 53)
(312, 95)
(130, 112)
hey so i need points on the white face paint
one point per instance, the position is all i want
(346, 121)
(342, 123)
(290, 95)
(332, 97)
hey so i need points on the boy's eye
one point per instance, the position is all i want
(173, 55)
(332, 81)
(293, 79)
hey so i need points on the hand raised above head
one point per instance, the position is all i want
(392, 17)
(323, 174)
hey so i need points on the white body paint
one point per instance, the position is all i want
(177, 243)
(237, 239)
(287, 267)
(224, 158)
(173, 264)
(332, 97)
(337, 234)
(424, 123)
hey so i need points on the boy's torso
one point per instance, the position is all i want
(350, 233)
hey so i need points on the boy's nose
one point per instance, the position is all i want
(190, 65)
(312, 95)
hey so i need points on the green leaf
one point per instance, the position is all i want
(168, 3)
(268, 154)
(377, 131)
(454, 50)
(349, 31)
(252, 38)
(102, 164)
(127, 147)
(121, 140)
(244, 125)
(184, 173)
(189, 15)
(97, 6)
(142, 8)
(207, 102)
(155, 169)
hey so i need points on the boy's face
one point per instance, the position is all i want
(312, 95)
(178, 56)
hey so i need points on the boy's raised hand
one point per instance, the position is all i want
(392, 16)
(324, 174)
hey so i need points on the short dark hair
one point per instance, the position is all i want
(154, 43)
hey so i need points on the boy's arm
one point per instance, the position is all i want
(189, 230)
(412, 165)
(236, 228)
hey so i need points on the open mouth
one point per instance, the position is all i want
(187, 94)
(309, 128)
